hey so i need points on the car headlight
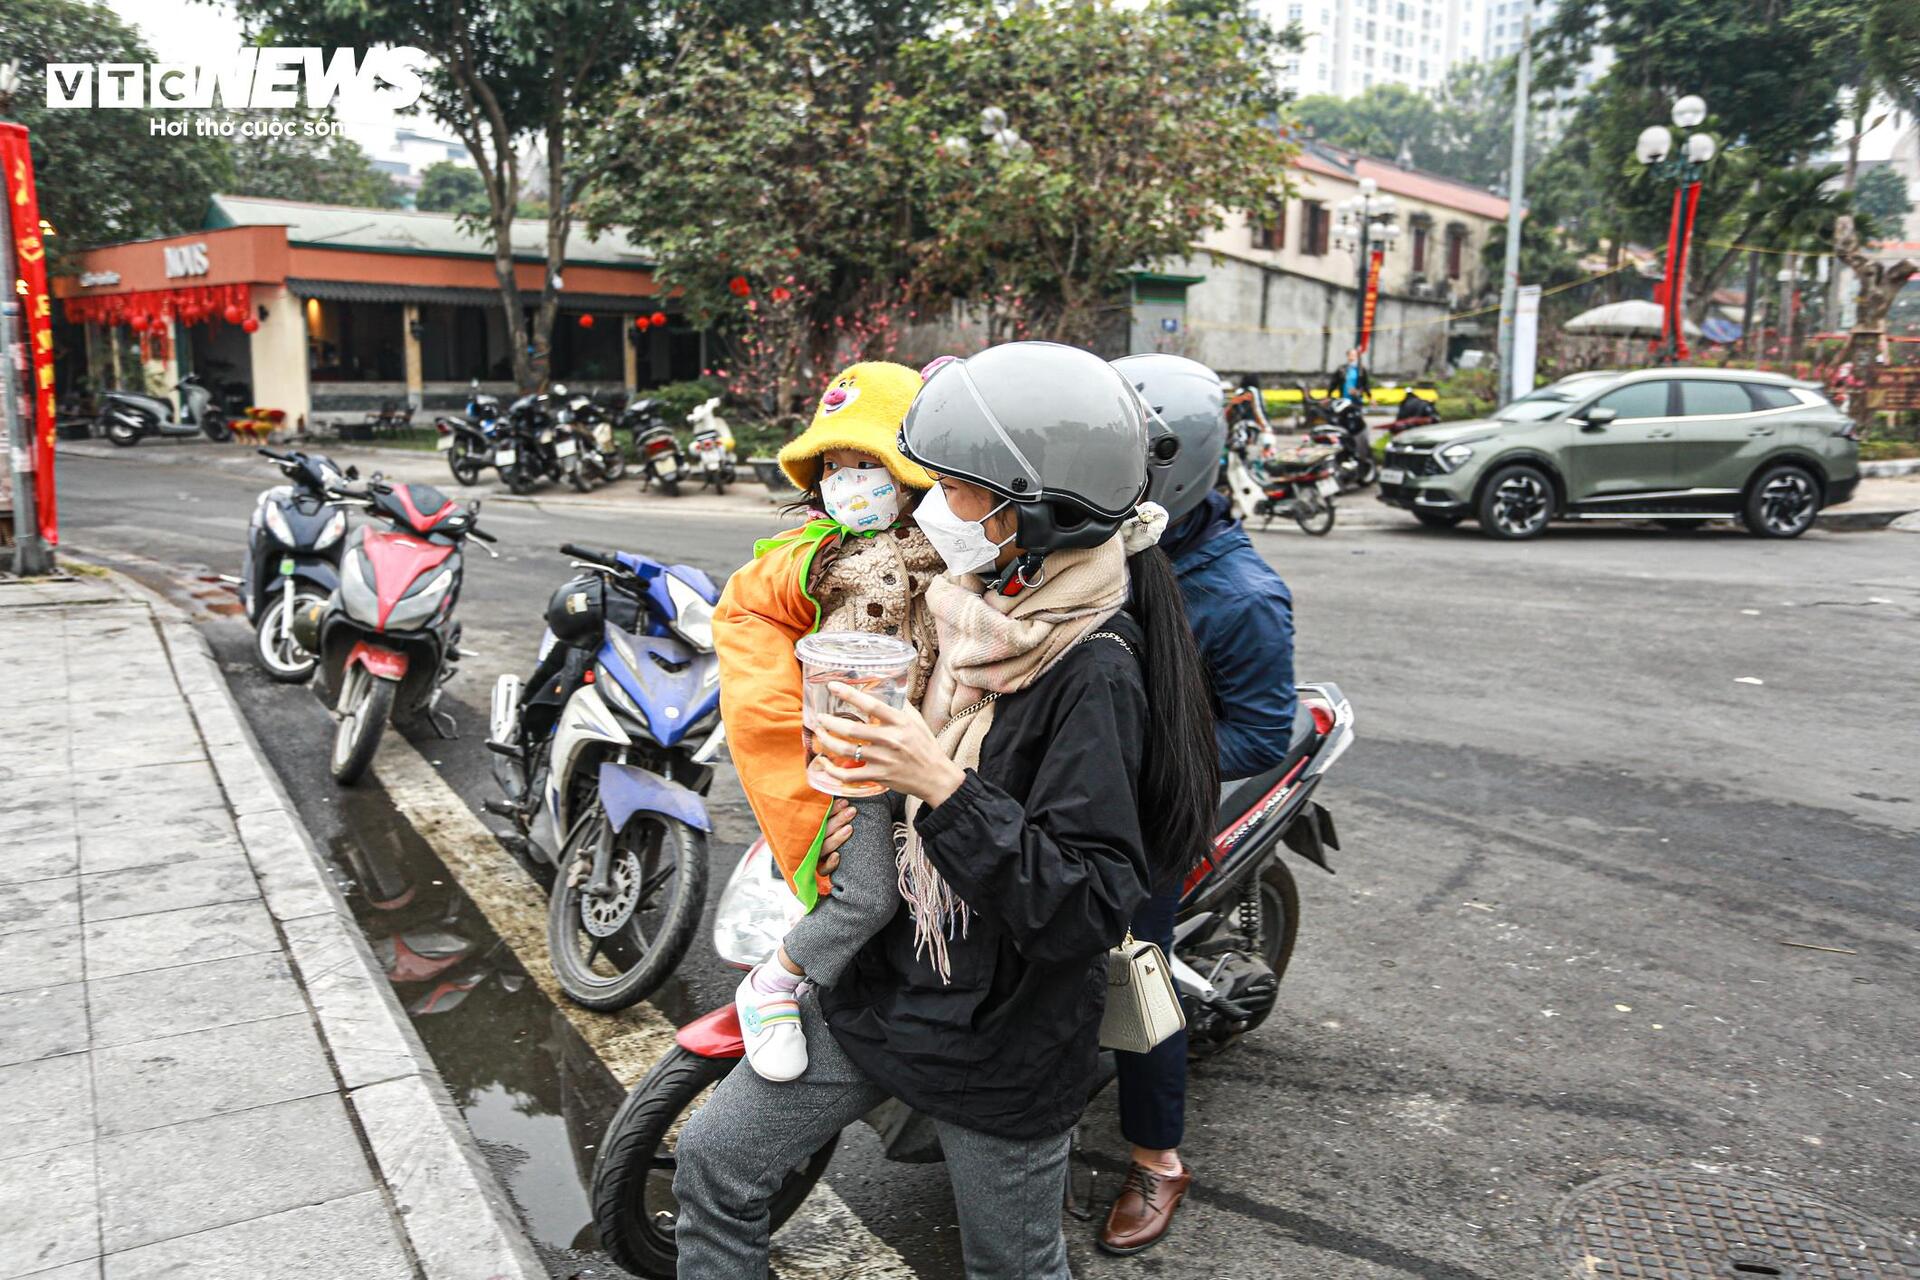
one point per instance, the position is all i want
(1453, 457)
(693, 616)
(277, 524)
(618, 698)
(334, 529)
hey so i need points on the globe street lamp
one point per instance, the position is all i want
(1366, 221)
(1684, 169)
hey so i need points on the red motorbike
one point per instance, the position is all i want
(1239, 915)
(387, 638)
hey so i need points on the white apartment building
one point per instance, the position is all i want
(1352, 45)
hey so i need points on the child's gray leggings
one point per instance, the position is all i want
(866, 893)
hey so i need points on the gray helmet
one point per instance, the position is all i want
(1190, 430)
(1054, 429)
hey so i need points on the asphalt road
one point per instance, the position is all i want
(1627, 880)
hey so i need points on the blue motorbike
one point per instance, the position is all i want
(605, 765)
(475, 441)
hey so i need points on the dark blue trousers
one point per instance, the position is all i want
(1153, 1086)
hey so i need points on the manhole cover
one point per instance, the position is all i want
(1708, 1226)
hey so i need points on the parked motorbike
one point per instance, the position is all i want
(603, 769)
(1239, 915)
(475, 441)
(387, 637)
(292, 562)
(1291, 483)
(1338, 421)
(713, 446)
(600, 457)
(530, 447)
(1415, 411)
(128, 416)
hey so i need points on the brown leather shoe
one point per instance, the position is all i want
(1145, 1209)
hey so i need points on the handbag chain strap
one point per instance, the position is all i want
(1114, 636)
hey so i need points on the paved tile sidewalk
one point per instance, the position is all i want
(200, 1074)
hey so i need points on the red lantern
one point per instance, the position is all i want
(641, 323)
(586, 321)
(251, 325)
(139, 323)
(233, 314)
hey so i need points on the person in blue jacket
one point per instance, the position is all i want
(1242, 617)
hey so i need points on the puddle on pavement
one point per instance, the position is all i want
(532, 1091)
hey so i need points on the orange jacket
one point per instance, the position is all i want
(763, 611)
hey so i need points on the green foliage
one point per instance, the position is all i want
(102, 177)
(1135, 125)
(678, 399)
(1463, 130)
(326, 170)
(1881, 195)
(448, 187)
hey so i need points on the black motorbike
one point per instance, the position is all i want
(473, 442)
(532, 456)
(600, 458)
(127, 417)
(1239, 915)
(293, 559)
(656, 449)
(1338, 421)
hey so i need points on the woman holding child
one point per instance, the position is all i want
(1060, 765)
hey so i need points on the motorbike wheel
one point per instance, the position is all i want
(580, 480)
(645, 927)
(519, 479)
(120, 433)
(669, 487)
(1361, 471)
(217, 430)
(465, 462)
(634, 1210)
(274, 648)
(366, 703)
(1279, 923)
(1313, 513)
(615, 463)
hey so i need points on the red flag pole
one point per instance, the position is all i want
(1666, 284)
(1678, 292)
(25, 278)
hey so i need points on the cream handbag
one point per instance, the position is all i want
(1143, 1008)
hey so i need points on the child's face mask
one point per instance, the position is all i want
(861, 498)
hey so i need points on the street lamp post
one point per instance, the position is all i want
(1358, 225)
(1684, 170)
(16, 398)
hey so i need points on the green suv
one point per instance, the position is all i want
(1681, 446)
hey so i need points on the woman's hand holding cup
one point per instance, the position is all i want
(894, 746)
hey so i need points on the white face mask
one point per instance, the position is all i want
(861, 498)
(964, 545)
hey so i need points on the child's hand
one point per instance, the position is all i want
(839, 830)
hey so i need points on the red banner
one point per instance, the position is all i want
(30, 266)
(1373, 298)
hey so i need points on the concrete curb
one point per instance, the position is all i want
(1891, 467)
(1856, 521)
(456, 1218)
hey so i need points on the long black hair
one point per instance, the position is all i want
(1180, 772)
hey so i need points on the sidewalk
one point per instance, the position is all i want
(202, 1072)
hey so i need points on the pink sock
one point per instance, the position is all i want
(771, 978)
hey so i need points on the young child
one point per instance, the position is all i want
(861, 567)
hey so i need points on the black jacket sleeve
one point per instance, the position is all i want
(1063, 874)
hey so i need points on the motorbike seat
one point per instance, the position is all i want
(1240, 795)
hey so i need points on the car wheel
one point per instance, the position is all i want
(1782, 503)
(1516, 503)
(1438, 519)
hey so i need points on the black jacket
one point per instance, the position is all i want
(1337, 384)
(1043, 842)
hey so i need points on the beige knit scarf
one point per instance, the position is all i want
(990, 645)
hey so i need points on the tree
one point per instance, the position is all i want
(757, 173)
(1881, 282)
(324, 169)
(102, 176)
(505, 72)
(1130, 129)
(1463, 130)
(1881, 197)
(447, 187)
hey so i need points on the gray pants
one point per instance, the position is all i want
(866, 893)
(735, 1151)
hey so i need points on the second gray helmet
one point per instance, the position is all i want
(1054, 429)
(1187, 398)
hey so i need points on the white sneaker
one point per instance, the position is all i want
(770, 1026)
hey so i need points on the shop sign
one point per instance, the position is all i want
(97, 279)
(185, 260)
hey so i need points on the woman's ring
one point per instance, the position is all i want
(860, 753)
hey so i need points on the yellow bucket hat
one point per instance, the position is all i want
(862, 408)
